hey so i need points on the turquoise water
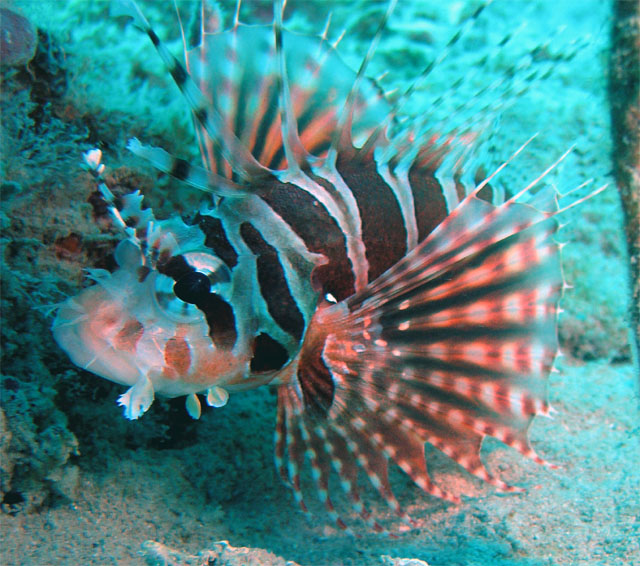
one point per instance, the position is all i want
(81, 485)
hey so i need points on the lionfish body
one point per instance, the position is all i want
(390, 299)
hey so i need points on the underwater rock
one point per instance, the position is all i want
(35, 448)
(624, 97)
(18, 39)
(222, 554)
(6, 463)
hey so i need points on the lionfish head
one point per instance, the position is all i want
(162, 321)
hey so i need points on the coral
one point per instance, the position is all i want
(33, 151)
(37, 150)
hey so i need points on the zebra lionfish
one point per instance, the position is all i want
(391, 295)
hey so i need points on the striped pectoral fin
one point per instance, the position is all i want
(451, 345)
(300, 434)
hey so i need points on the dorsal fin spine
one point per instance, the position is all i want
(404, 97)
(295, 152)
(342, 133)
(234, 152)
(198, 177)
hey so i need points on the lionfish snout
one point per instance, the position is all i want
(98, 332)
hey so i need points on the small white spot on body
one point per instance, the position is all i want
(508, 354)
(393, 390)
(537, 354)
(517, 401)
(391, 451)
(482, 313)
(512, 304)
(392, 414)
(433, 407)
(371, 405)
(447, 450)
(358, 423)
(455, 417)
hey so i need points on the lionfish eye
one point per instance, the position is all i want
(212, 267)
(192, 288)
(178, 298)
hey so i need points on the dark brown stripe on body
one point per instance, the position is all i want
(268, 354)
(428, 198)
(309, 219)
(273, 283)
(216, 238)
(383, 231)
(221, 320)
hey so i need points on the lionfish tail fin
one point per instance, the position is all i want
(451, 345)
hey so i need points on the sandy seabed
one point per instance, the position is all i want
(585, 512)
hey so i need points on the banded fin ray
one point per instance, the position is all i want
(251, 86)
(208, 116)
(240, 82)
